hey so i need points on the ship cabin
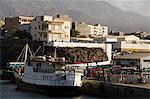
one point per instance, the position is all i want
(45, 64)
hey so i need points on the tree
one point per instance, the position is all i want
(74, 33)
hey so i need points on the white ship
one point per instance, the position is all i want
(48, 74)
(52, 74)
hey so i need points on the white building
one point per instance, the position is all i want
(140, 60)
(48, 28)
(128, 43)
(98, 30)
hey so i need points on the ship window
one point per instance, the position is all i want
(47, 77)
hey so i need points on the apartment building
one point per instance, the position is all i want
(14, 23)
(98, 30)
(49, 28)
(82, 28)
(88, 30)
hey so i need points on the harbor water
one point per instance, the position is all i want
(10, 91)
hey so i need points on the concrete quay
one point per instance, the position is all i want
(116, 90)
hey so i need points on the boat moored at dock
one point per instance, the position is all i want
(48, 74)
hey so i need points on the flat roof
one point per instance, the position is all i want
(132, 56)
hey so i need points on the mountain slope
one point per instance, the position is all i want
(92, 12)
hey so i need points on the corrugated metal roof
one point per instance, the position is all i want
(132, 56)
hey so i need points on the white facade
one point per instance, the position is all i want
(145, 62)
(25, 19)
(98, 30)
(127, 46)
(140, 60)
(129, 43)
(48, 28)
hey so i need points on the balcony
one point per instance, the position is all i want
(56, 32)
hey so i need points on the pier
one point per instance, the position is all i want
(116, 90)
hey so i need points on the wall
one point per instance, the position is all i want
(82, 27)
(145, 62)
(76, 44)
(134, 47)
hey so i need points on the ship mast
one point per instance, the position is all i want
(24, 53)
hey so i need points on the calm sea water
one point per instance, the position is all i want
(9, 91)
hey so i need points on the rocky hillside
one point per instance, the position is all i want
(84, 55)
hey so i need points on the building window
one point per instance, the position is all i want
(66, 27)
(39, 26)
(45, 35)
(44, 26)
(42, 18)
(35, 27)
(41, 35)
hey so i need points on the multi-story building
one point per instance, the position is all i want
(82, 28)
(98, 30)
(129, 43)
(90, 30)
(139, 60)
(12, 24)
(48, 28)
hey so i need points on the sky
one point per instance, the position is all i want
(139, 6)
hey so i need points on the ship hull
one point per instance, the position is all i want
(52, 90)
